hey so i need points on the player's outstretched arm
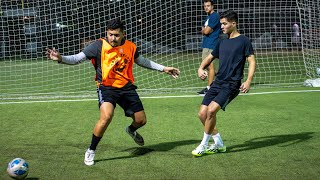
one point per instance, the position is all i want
(72, 59)
(174, 72)
(147, 63)
(53, 54)
(245, 86)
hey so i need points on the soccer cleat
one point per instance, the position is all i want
(203, 91)
(214, 148)
(200, 150)
(89, 157)
(136, 137)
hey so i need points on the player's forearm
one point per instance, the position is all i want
(73, 59)
(206, 31)
(251, 69)
(146, 63)
(206, 62)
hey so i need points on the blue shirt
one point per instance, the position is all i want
(210, 40)
(232, 54)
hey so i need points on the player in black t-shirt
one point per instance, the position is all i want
(232, 52)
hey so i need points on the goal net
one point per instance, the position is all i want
(284, 33)
(310, 19)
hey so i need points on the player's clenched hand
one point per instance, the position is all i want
(202, 74)
(53, 54)
(174, 72)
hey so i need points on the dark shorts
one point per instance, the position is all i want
(127, 98)
(222, 92)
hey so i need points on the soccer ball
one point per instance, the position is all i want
(18, 168)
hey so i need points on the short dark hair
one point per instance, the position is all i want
(115, 24)
(229, 15)
(211, 1)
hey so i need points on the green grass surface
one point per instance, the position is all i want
(269, 136)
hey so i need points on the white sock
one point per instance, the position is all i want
(208, 87)
(205, 139)
(217, 139)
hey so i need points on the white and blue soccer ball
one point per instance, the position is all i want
(18, 168)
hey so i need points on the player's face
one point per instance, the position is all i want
(227, 27)
(115, 37)
(208, 7)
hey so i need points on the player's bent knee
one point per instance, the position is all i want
(141, 121)
(202, 115)
(213, 108)
(140, 118)
(212, 111)
(106, 117)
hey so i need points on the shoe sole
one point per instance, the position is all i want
(89, 163)
(140, 144)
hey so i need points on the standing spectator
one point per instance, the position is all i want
(210, 32)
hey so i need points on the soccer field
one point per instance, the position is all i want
(48, 110)
(268, 136)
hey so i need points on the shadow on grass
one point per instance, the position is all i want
(256, 143)
(140, 151)
(261, 142)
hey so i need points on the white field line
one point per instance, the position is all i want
(152, 97)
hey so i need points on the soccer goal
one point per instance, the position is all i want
(309, 12)
(284, 33)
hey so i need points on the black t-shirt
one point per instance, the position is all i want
(232, 54)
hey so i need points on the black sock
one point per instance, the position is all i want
(94, 142)
(132, 128)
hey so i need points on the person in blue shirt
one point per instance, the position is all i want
(233, 53)
(210, 32)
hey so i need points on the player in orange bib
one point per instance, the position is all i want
(113, 59)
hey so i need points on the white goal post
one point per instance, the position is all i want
(165, 31)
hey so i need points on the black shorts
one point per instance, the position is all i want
(127, 98)
(222, 92)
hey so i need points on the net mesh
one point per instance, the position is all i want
(284, 33)
(310, 20)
